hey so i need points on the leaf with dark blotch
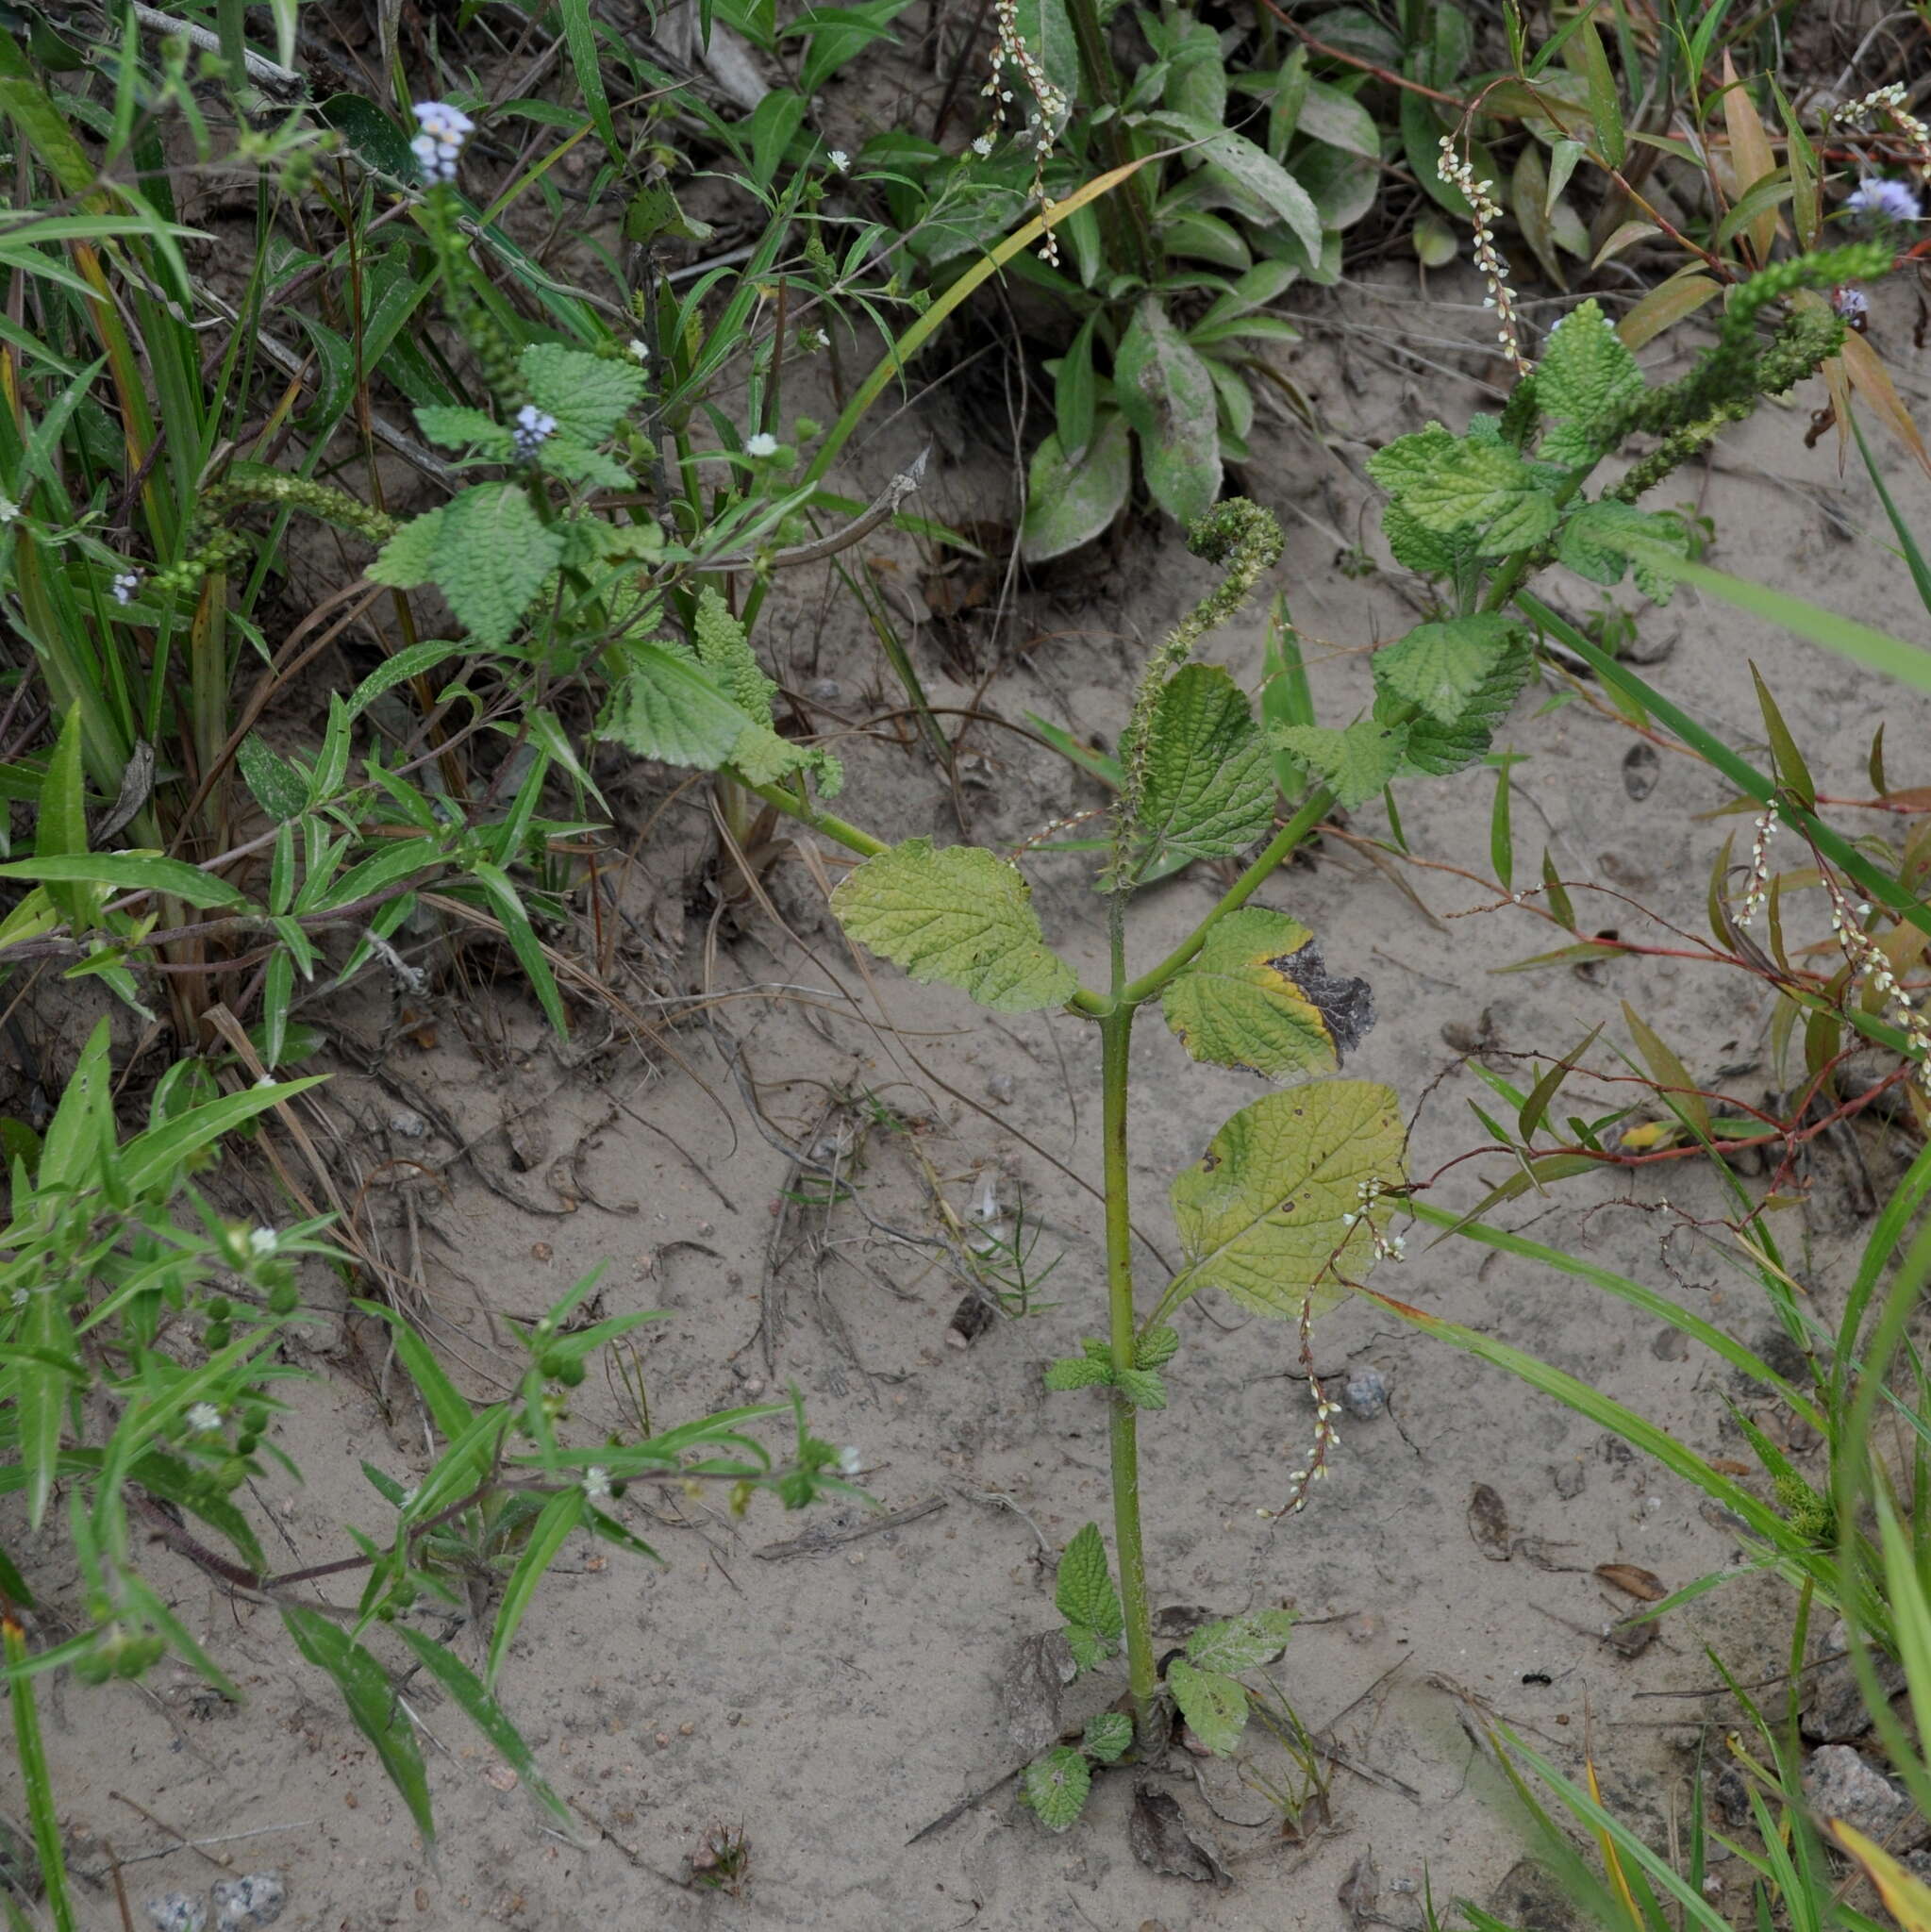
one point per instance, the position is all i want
(1165, 1841)
(1634, 1581)
(1488, 1524)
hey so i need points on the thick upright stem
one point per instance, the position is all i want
(1116, 1032)
(1132, 226)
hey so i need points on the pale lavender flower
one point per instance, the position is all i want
(124, 585)
(443, 131)
(533, 429)
(1892, 201)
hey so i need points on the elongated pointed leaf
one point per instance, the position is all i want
(449, 1409)
(561, 1515)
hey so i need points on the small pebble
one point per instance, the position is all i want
(1364, 1394)
(1000, 1086)
(257, 1899)
(176, 1911)
(663, 1741)
(408, 1123)
(687, 1730)
(1364, 1626)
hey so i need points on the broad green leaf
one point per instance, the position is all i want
(1142, 1388)
(1070, 503)
(958, 914)
(372, 1703)
(1330, 115)
(1264, 1214)
(1258, 996)
(1083, 1592)
(1355, 764)
(1108, 1735)
(408, 559)
(1088, 1648)
(455, 427)
(488, 553)
(560, 1516)
(1057, 1787)
(724, 650)
(128, 872)
(1166, 393)
(1398, 466)
(1486, 491)
(1240, 1643)
(1215, 1706)
(1586, 373)
(589, 395)
(1209, 787)
(665, 706)
(1591, 544)
(1436, 749)
(466, 1689)
(1416, 548)
(1255, 172)
(1442, 667)
(1078, 1371)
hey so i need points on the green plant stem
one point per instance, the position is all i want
(1116, 1034)
(34, 1778)
(1317, 804)
(1132, 226)
(834, 828)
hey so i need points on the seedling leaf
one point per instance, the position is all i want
(1240, 1643)
(1143, 1388)
(1158, 1347)
(1056, 1785)
(1108, 1735)
(1215, 1706)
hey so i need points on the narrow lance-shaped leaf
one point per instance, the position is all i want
(561, 1515)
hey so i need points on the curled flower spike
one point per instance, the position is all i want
(533, 429)
(1879, 199)
(763, 444)
(437, 146)
(124, 585)
(1459, 172)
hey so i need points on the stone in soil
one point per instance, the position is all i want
(1838, 1784)
(257, 1899)
(1364, 1394)
(176, 1911)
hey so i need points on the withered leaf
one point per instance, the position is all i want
(1164, 1841)
(1042, 1666)
(1488, 1524)
(1632, 1581)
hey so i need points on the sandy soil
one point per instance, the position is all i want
(831, 1703)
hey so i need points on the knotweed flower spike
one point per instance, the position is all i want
(1459, 172)
(1869, 962)
(1887, 103)
(439, 145)
(1757, 887)
(533, 429)
(1010, 50)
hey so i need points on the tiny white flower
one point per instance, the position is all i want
(763, 444)
(263, 1241)
(8, 510)
(203, 1417)
(443, 131)
(532, 429)
(982, 145)
(266, 1080)
(21, 1297)
(409, 1497)
(596, 1482)
(124, 584)
(640, 348)
(848, 1461)
(839, 159)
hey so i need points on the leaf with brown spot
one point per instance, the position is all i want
(1632, 1581)
(1488, 1524)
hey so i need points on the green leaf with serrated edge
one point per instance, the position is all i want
(1210, 788)
(1487, 492)
(1056, 1787)
(1078, 1371)
(1261, 1215)
(493, 553)
(667, 708)
(958, 914)
(1067, 503)
(1240, 1643)
(1166, 393)
(1158, 1347)
(1142, 1388)
(466, 1690)
(1436, 749)
(456, 428)
(1257, 995)
(1083, 1592)
(372, 1702)
(1106, 1736)
(1097, 1349)
(1398, 466)
(724, 650)
(1355, 764)
(275, 784)
(408, 559)
(1088, 1648)
(1214, 1705)
(587, 394)
(1585, 371)
(1416, 548)
(1441, 666)
(560, 1516)
(1591, 544)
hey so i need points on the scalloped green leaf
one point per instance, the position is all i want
(1209, 786)
(958, 914)
(1158, 1347)
(1481, 489)
(1057, 1787)
(1078, 1371)
(1258, 996)
(1083, 1592)
(1442, 667)
(1261, 1213)
(487, 551)
(1356, 763)
(1585, 373)
(1108, 1735)
(1240, 1643)
(587, 394)
(1215, 1706)
(669, 709)
(1593, 540)
(1436, 749)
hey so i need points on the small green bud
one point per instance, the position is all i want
(218, 1336)
(284, 1298)
(572, 1373)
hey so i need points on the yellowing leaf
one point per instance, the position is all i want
(1263, 1215)
(1258, 996)
(1872, 380)
(1751, 156)
(1664, 307)
(960, 914)
(1908, 1899)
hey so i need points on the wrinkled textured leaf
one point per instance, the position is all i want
(1443, 666)
(1586, 372)
(1209, 784)
(1078, 1371)
(1214, 1705)
(487, 551)
(1068, 504)
(1356, 763)
(1166, 393)
(1436, 749)
(725, 651)
(1142, 1388)
(1158, 1347)
(666, 707)
(1108, 1735)
(1258, 996)
(1261, 1214)
(960, 914)
(587, 394)
(1591, 544)
(1484, 490)
(1057, 1787)
(1083, 1592)
(1240, 1643)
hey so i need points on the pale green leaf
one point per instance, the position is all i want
(958, 914)
(560, 1516)
(1142, 1388)
(666, 707)
(1215, 1706)
(1585, 375)
(1209, 787)
(1592, 544)
(1355, 764)
(1108, 1735)
(408, 559)
(587, 394)
(1416, 548)
(456, 428)
(1398, 466)
(275, 784)
(1261, 1215)
(1056, 1786)
(1083, 1592)
(725, 651)
(489, 554)
(1166, 393)
(1078, 1371)
(1442, 667)
(1088, 1648)
(1258, 996)
(1484, 490)
(1330, 115)
(1436, 749)
(1068, 504)
(1158, 1347)
(1240, 1643)
(1255, 172)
